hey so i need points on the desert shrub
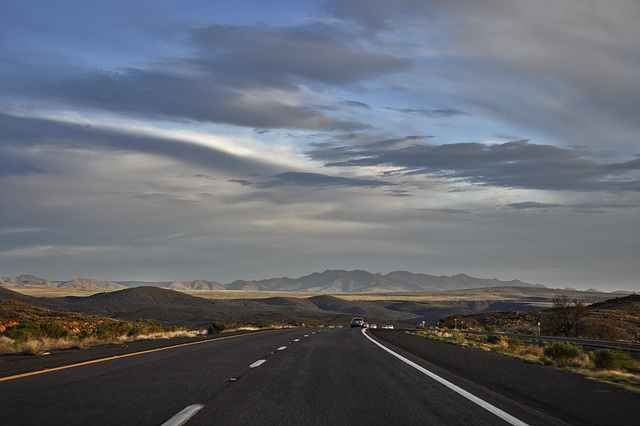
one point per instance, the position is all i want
(471, 323)
(32, 347)
(448, 323)
(604, 329)
(563, 350)
(7, 345)
(429, 335)
(34, 331)
(514, 342)
(533, 350)
(459, 339)
(613, 359)
(54, 330)
(112, 329)
(523, 328)
(546, 360)
(494, 339)
(216, 327)
(146, 326)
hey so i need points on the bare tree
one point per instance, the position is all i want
(567, 319)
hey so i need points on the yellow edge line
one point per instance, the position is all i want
(64, 367)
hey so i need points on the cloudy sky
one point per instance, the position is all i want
(223, 140)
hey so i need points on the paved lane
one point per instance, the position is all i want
(297, 376)
(144, 389)
(338, 377)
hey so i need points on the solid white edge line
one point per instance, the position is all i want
(258, 363)
(183, 416)
(482, 403)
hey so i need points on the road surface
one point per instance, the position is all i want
(296, 376)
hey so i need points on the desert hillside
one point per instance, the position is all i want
(612, 319)
(171, 307)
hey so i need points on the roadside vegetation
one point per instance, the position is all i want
(26, 329)
(34, 338)
(617, 319)
(608, 365)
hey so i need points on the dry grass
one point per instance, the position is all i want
(41, 346)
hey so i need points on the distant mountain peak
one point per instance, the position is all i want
(360, 281)
(330, 281)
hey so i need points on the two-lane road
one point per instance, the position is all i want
(295, 376)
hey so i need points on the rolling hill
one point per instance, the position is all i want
(171, 307)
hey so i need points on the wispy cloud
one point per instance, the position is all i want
(516, 164)
(202, 140)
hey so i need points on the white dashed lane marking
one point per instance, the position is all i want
(258, 363)
(183, 416)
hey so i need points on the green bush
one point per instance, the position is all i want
(112, 329)
(146, 326)
(563, 350)
(494, 338)
(216, 327)
(613, 359)
(514, 342)
(34, 331)
(546, 360)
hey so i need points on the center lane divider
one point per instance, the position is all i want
(259, 362)
(185, 415)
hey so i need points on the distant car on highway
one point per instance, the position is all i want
(366, 325)
(357, 322)
(373, 326)
(390, 327)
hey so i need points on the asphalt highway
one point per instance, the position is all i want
(295, 376)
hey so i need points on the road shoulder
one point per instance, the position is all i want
(561, 394)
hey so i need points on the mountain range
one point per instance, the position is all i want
(81, 283)
(329, 281)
